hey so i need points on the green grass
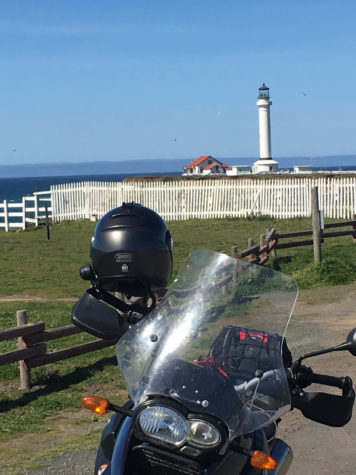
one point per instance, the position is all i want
(339, 254)
(56, 386)
(34, 266)
(41, 267)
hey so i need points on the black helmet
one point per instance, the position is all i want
(131, 251)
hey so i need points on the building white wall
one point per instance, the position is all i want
(302, 169)
(199, 169)
(238, 170)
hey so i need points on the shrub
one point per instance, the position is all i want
(331, 271)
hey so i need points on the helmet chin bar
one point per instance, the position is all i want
(128, 309)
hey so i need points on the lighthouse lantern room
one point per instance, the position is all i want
(264, 92)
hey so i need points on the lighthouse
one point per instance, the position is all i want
(265, 163)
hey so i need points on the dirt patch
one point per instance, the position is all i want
(322, 318)
(31, 298)
(64, 440)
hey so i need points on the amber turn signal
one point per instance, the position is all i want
(102, 468)
(263, 461)
(96, 404)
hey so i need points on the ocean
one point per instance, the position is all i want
(13, 189)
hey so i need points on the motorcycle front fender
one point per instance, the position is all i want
(119, 457)
(109, 438)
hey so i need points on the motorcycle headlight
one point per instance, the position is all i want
(169, 426)
(164, 424)
(203, 434)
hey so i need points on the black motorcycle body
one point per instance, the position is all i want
(136, 457)
(209, 375)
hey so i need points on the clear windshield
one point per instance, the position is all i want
(215, 342)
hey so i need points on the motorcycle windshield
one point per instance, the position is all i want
(215, 343)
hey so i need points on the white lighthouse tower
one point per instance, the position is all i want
(265, 163)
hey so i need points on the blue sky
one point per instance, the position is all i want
(86, 80)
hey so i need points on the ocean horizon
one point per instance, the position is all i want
(13, 189)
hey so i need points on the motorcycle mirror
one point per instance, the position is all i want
(87, 272)
(351, 341)
(349, 344)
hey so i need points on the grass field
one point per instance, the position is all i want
(33, 266)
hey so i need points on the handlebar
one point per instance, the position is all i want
(305, 376)
(329, 380)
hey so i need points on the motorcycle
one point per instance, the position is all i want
(209, 374)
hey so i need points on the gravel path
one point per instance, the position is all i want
(74, 462)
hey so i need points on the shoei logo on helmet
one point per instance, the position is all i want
(123, 257)
(125, 268)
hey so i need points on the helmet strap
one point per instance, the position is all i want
(115, 302)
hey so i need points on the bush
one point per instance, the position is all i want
(331, 271)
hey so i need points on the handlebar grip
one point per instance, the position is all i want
(328, 380)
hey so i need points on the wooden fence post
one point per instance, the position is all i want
(223, 287)
(234, 252)
(316, 224)
(25, 375)
(252, 257)
(273, 250)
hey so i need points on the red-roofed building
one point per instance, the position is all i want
(205, 165)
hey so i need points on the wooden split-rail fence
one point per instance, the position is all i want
(272, 240)
(32, 352)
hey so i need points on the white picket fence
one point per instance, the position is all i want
(185, 199)
(31, 210)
